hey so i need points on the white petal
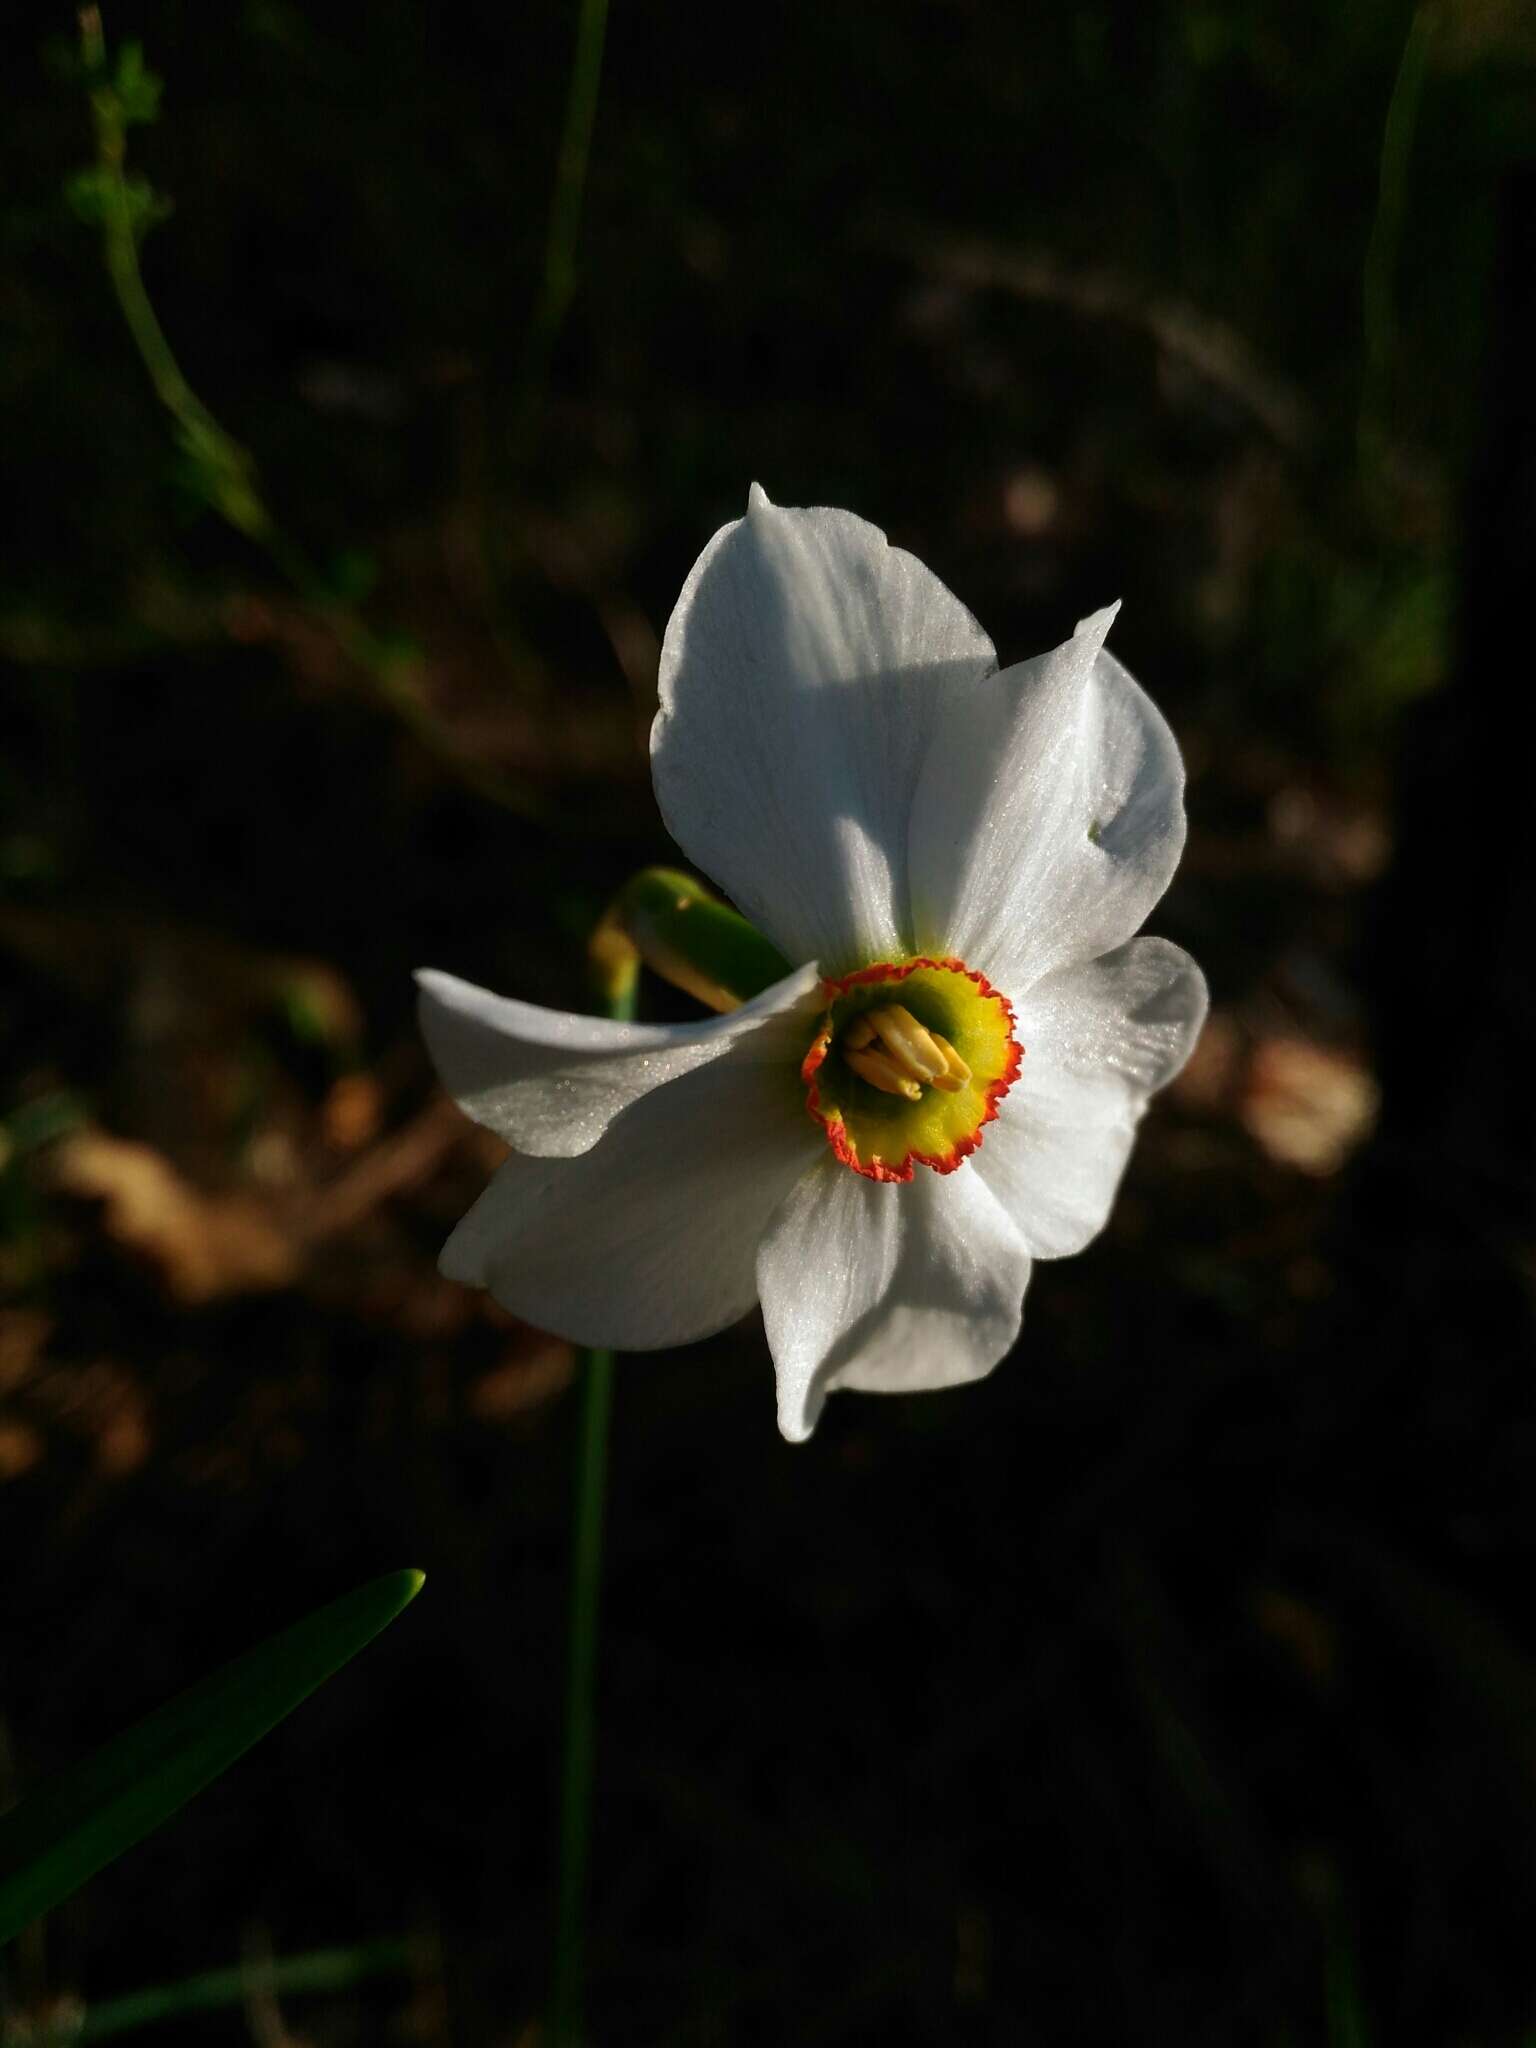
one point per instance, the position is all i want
(802, 671)
(550, 1082)
(1049, 817)
(890, 1288)
(1097, 1040)
(651, 1237)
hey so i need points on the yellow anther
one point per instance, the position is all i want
(882, 1072)
(908, 1042)
(891, 1050)
(956, 1072)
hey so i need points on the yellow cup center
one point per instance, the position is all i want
(911, 1060)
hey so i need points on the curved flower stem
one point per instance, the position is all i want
(227, 472)
(615, 972)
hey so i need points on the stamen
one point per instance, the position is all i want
(956, 1073)
(882, 1072)
(907, 1042)
(891, 1050)
(868, 1042)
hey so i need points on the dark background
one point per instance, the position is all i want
(1178, 1684)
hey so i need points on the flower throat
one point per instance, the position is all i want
(898, 1084)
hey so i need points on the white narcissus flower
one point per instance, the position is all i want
(879, 1146)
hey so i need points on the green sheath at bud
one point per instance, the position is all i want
(687, 936)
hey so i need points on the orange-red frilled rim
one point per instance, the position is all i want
(882, 1135)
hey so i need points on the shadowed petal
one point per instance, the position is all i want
(1097, 1041)
(650, 1238)
(550, 1082)
(890, 1289)
(1049, 817)
(803, 669)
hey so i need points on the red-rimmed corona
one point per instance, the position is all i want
(946, 1085)
(892, 1097)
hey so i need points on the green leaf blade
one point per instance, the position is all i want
(69, 1828)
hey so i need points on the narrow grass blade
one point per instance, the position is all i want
(331, 1969)
(65, 1831)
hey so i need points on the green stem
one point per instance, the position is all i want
(1381, 255)
(559, 281)
(565, 2006)
(615, 974)
(234, 484)
(237, 498)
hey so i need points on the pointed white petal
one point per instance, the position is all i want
(1097, 1041)
(1049, 818)
(888, 1288)
(651, 1237)
(802, 672)
(550, 1082)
